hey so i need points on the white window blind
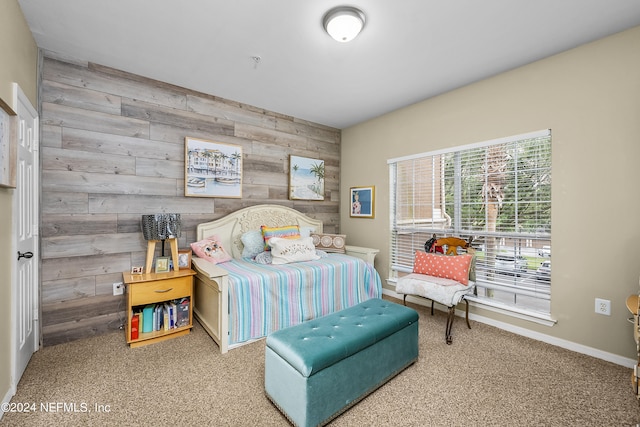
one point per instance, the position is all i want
(497, 192)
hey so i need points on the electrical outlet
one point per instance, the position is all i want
(603, 306)
(118, 288)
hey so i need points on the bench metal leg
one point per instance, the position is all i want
(451, 315)
(467, 313)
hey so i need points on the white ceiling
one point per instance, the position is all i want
(409, 50)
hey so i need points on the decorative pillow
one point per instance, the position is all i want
(455, 267)
(286, 232)
(253, 243)
(210, 249)
(330, 242)
(263, 257)
(284, 251)
(306, 231)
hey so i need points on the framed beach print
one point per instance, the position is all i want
(8, 145)
(306, 178)
(212, 169)
(363, 202)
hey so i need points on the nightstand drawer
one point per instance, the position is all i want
(164, 290)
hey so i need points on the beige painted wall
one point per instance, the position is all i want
(590, 98)
(18, 63)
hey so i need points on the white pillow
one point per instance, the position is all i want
(284, 251)
(306, 231)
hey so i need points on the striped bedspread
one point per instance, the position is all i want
(265, 298)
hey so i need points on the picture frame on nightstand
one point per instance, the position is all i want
(162, 264)
(184, 259)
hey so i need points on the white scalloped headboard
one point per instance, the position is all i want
(231, 227)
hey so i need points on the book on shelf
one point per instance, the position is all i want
(165, 317)
(135, 325)
(147, 318)
(161, 316)
(182, 318)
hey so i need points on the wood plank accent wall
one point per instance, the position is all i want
(113, 149)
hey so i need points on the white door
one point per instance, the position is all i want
(25, 223)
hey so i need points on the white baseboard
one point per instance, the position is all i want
(7, 398)
(569, 345)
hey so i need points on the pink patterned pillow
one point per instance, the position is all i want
(210, 249)
(455, 267)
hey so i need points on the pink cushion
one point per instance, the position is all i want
(210, 249)
(455, 267)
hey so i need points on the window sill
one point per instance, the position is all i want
(532, 316)
(496, 307)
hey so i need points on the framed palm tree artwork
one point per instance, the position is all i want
(306, 178)
(212, 169)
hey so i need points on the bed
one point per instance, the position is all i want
(240, 301)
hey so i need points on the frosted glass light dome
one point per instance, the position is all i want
(343, 23)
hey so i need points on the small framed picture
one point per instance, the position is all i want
(363, 202)
(162, 264)
(184, 259)
(306, 178)
(137, 269)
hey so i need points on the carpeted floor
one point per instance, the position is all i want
(488, 377)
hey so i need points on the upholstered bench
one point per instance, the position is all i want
(316, 370)
(443, 291)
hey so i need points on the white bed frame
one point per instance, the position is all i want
(211, 293)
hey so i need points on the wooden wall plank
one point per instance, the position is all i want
(144, 204)
(54, 202)
(50, 136)
(68, 289)
(160, 114)
(176, 133)
(70, 224)
(79, 309)
(83, 161)
(283, 139)
(72, 96)
(104, 282)
(233, 113)
(72, 117)
(75, 330)
(93, 244)
(309, 130)
(103, 81)
(65, 268)
(103, 143)
(159, 168)
(81, 182)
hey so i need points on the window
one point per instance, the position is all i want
(496, 192)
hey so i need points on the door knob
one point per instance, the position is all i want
(24, 255)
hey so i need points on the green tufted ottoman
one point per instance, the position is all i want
(318, 369)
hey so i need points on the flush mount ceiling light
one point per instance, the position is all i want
(343, 23)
